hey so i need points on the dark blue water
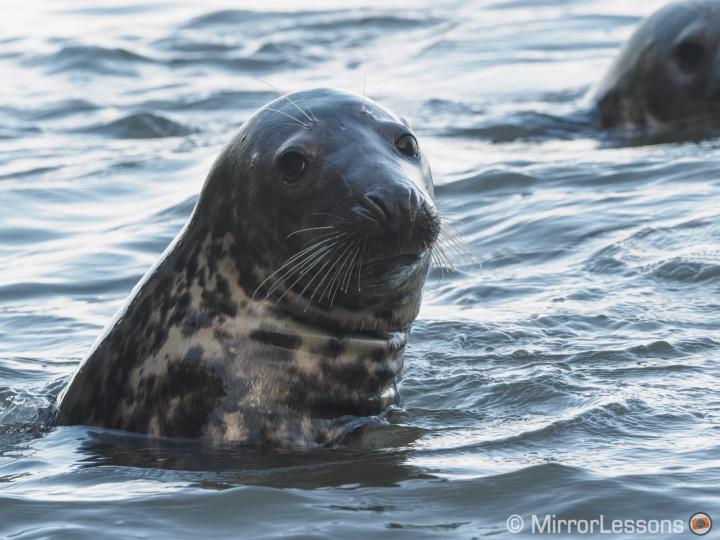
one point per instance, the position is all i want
(573, 373)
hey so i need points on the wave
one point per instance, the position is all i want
(90, 58)
(332, 20)
(491, 180)
(64, 108)
(140, 126)
(686, 271)
(522, 126)
(88, 289)
(252, 64)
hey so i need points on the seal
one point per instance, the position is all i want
(283, 307)
(667, 74)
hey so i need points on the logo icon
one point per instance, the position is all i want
(515, 524)
(700, 524)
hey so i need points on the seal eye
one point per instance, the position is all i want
(407, 144)
(689, 55)
(292, 166)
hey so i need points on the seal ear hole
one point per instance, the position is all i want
(292, 166)
(689, 54)
(408, 145)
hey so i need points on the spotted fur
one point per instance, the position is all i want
(212, 343)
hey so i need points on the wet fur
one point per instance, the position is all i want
(651, 87)
(218, 342)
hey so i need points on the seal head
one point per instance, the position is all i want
(287, 299)
(668, 71)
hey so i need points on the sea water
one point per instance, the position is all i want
(570, 373)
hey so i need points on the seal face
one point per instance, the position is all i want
(668, 72)
(286, 301)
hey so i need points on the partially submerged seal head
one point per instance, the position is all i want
(668, 72)
(286, 301)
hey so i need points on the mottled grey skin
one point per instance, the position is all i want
(213, 344)
(668, 73)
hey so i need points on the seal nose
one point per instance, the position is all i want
(392, 210)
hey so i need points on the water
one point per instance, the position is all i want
(574, 375)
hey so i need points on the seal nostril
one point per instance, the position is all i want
(396, 209)
(379, 208)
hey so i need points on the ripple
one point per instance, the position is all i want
(253, 64)
(686, 271)
(331, 21)
(493, 180)
(523, 126)
(28, 290)
(64, 108)
(90, 58)
(230, 18)
(575, 374)
(141, 126)
(215, 101)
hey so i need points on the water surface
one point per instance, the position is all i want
(574, 374)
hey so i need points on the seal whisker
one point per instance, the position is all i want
(283, 94)
(456, 240)
(309, 229)
(448, 201)
(295, 257)
(451, 223)
(451, 219)
(301, 268)
(455, 253)
(362, 109)
(313, 279)
(441, 252)
(300, 265)
(331, 287)
(303, 124)
(440, 266)
(334, 277)
(292, 260)
(347, 184)
(341, 220)
(442, 263)
(359, 266)
(452, 238)
(344, 281)
(310, 110)
(448, 236)
(459, 255)
(334, 234)
(348, 272)
(452, 247)
(442, 255)
(437, 264)
(340, 274)
(317, 287)
(315, 263)
(379, 94)
(327, 237)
